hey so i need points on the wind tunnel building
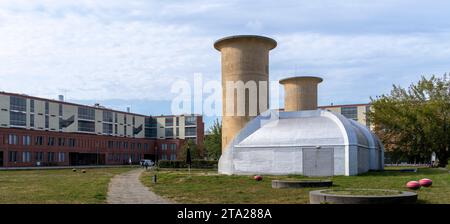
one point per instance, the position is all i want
(302, 139)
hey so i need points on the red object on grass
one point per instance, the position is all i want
(258, 178)
(425, 182)
(414, 185)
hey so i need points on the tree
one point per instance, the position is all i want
(193, 148)
(213, 141)
(414, 122)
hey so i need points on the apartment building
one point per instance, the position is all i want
(42, 132)
(357, 112)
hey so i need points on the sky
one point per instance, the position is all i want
(129, 53)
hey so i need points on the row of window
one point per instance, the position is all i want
(126, 145)
(173, 151)
(38, 157)
(188, 131)
(39, 140)
(152, 122)
(20, 104)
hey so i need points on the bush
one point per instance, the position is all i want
(198, 164)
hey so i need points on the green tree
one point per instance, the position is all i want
(213, 141)
(195, 150)
(414, 122)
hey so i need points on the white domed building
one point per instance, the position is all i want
(310, 143)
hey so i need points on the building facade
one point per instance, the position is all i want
(42, 132)
(356, 112)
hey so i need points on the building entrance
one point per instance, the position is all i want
(86, 159)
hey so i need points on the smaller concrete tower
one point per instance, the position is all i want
(300, 93)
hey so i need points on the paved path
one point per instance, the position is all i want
(127, 189)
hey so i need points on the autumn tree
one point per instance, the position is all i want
(414, 122)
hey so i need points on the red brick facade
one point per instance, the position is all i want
(76, 149)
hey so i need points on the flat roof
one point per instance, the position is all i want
(82, 105)
(345, 105)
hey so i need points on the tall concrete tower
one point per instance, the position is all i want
(300, 93)
(244, 58)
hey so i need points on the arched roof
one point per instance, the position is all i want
(303, 128)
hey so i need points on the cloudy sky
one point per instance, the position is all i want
(128, 53)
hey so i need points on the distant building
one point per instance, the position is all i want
(356, 112)
(42, 132)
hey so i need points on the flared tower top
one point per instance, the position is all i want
(300, 78)
(269, 41)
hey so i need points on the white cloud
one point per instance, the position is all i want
(111, 49)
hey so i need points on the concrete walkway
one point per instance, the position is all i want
(127, 189)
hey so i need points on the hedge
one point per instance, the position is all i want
(198, 164)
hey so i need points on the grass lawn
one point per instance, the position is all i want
(56, 186)
(208, 187)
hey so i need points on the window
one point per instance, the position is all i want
(169, 132)
(26, 157)
(173, 152)
(18, 103)
(125, 130)
(32, 120)
(177, 121)
(86, 113)
(39, 140)
(169, 121)
(134, 120)
(115, 129)
(50, 157)
(46, 122)
(151, 122)
(110, 144)
(191, 120)
(47, 107)
(72, 142)
(39, 156)
(115, 118)
(26, 140)
(18, 118)
(125, 119)
(61, 157)
(350, 112)
(32, 106)
(125, 145)
(108, 116)
(146, 148)
(107, 129)
(12, 156)
(150, 132)
(164, 151)
(86, 126)
(60, 110)
(61, 141)
(191, 131)
(51, 141)
(12, 139)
